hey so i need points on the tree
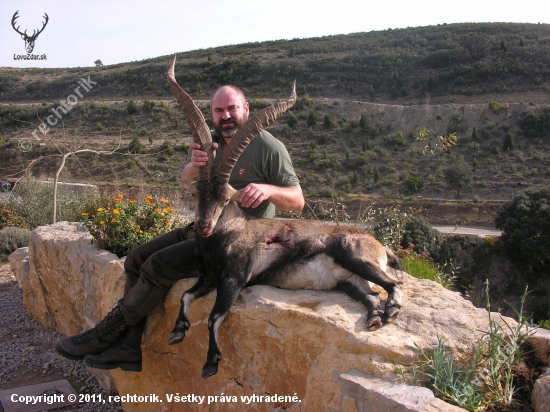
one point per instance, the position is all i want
(364, 122)
(525, 222)
(459, 175)
(508, 142)
(292, 119)
(132, 107)
(328, 121)
(312, 119)
(415, 183)
(135, 146)
(98, 63)
(371, 93)
(366, 145)
(376, 174)
(475, 136)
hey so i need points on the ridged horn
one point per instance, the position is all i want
(195, 120)
(249, 131)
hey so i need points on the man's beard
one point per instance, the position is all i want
(229, 132)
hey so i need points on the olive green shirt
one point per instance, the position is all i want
(265, 160)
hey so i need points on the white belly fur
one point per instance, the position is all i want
(320, 273)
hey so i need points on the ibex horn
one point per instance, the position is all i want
(195, 120)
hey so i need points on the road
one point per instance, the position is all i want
(463, 230)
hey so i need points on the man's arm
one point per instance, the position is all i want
(284, 198)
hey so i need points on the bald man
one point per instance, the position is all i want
(265, 179)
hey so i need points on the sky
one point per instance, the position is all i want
(80, 32)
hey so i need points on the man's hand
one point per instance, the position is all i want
(198, 157)
(254, 194)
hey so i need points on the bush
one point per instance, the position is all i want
(423, 236)
(8, 216)
(459, 175)
(135, 146)
(421, 266)
(12, 238)
(292, 120)
(32, 202)
(312, 119)
(525, 222)
(119, 226)
(132, 107)
(415, 183)
(390, 229)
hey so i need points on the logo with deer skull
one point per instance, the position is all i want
(29, 40)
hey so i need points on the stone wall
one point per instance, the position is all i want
(274, 342)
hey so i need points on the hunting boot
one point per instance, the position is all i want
(95, 340)
(124, 354)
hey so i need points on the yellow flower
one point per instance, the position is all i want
(141, 232)
(154, 235)
(132, 202)
(102, 222)
(158, 211)
(100, 209)
(113, 220)
(164, 201)
(116, 211)
(83, 214)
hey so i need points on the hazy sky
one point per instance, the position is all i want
(79, 32)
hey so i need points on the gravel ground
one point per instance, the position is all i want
(27, 354)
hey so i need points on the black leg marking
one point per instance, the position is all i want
(228, 291)
(201, 288)
(360, 290)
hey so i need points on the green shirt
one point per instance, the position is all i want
(265, 160)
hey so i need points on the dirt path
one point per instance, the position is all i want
(27, 355)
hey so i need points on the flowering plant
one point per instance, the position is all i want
(119, 226)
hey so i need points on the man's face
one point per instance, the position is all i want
(229, 111)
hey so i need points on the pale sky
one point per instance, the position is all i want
(79, 32)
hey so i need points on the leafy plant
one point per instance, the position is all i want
(545, 324)
(12, 238)
(422, 266)
(120, 226)
(486, 376)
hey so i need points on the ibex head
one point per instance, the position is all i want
(29, 40)
(212, 190)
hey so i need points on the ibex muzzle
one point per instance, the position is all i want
(235, 250)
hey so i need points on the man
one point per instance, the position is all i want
(265, 178)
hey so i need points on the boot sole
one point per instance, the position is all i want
(125, 366)
(69, 356)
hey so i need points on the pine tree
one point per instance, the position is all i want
(376, 174)
(475, 137)
(371, 92)
(508, 142)
(364, 122)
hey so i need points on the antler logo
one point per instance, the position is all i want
(29, 40)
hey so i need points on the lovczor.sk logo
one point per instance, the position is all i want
(29, 39)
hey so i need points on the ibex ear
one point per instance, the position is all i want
(235, 196)
(190, 186)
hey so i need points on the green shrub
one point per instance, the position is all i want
(120, 226)
(135, 146)
(132, 107)
(32, 202)
(167, 147)
(8, 216)
(292, 119)
(423, 236)
(415, 183)
(312, 119)
(390, 229)
(12, 238)
(525, 222)
(545, 324)
(421, 266)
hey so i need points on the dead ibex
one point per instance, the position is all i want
(236, 250)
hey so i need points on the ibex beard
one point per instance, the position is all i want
(235, 250)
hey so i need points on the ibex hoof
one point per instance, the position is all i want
(209, 370)
(391, 314)
(176, 337)
(374, 323)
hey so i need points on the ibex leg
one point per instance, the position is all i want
(360, 290)
(199, 289)
(344, 255)
(228, 291)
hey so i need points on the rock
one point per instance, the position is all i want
(540, 341)
(273, 342)
(540, 398)
(367, 393)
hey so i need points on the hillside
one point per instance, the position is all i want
(448, 79)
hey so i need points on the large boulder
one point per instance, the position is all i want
(293, 344)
